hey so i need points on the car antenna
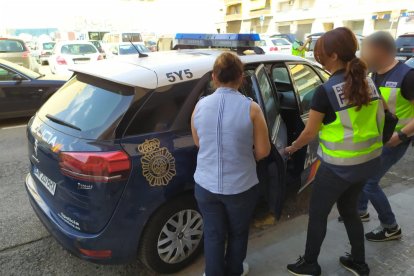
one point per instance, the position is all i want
(141, 55)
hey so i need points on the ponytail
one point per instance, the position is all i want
(356, 89)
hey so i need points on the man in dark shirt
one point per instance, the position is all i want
(395, 81)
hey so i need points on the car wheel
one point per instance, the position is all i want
(173, 236)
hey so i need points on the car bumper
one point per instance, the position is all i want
(73, 240)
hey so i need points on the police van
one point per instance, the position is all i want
(112, 157)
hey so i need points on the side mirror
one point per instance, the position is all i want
(114, 52)
(18, 78)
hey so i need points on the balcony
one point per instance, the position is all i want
(232, 2)
(233, 17)
(259, 13)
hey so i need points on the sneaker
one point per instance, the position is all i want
(364, 218)
(301, 267)
(359, 269)
(246, 269)
(382, 234)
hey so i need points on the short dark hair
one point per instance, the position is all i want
(228, 68)
(382, 40)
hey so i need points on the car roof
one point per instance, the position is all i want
(152, 71)
(66, 42)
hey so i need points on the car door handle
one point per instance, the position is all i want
(40, 90)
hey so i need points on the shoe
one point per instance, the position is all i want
(246, 269)
(359, 269)
(382, 234)
(301, 267)
(364, 218)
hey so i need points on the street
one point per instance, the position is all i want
(28, 249)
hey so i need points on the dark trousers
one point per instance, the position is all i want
(226, 216)
(328, 189)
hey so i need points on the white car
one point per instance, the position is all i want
(123, 49)
(275, 45)
(68, 53)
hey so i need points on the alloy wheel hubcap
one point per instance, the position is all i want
(180, 236)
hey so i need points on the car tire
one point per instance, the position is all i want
(158, 251)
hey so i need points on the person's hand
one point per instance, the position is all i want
(290, 150)
(394, 141)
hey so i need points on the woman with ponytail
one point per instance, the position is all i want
(348, 115)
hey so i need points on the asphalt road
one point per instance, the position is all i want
(26, 248)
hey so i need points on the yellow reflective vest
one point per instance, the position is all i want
(355, 137)
(391, 92)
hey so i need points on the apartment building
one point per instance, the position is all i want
(302, 17)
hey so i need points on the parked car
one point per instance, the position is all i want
(314, 37)
(43, 50)
(123, 49)
(405, 46)
(410, 62)
(69, 53)
(151, 45)
(15, 50)
(289, 37)
(99, 46)
(112, 157)
(22, 91)
(275, 45)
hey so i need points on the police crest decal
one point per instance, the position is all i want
(158, 164)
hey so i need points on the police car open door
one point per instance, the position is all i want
(271, 171)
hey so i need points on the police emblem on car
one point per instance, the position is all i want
(158, 164)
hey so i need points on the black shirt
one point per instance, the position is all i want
(321, 103)
(407, 86)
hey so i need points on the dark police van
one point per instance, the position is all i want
(112, 157)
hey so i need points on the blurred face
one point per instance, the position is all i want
(373, 56)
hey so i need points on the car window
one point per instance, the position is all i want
(410, 62)
(11, 45)
(306, 81)
(280, 42)
(160, 111)
(404, 41)
(128, 49)
(5, 74)
(91, 104)
(48, 45)
(78, 49)
(323, 73)
(270, 103)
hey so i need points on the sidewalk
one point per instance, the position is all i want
(270, 250)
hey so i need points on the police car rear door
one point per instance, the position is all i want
(276, 167)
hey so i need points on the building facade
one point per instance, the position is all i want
(303, 17)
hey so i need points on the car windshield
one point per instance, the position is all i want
(78, 49)
(128, 49)
(21, 69)
(11, 45)
(90, 104)
(280, 42)
(403, 41)
(48, 45)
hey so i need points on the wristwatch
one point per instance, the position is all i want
(402, 136)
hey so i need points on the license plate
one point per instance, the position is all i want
(401, 58)
(81, 61)
(49, 184)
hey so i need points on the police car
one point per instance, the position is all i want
(112, 158)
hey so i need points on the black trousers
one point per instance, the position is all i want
(329, 189)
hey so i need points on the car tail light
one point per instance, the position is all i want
(102, 254)
(100, 57)
(95, 166)
(25, 54)
(274, 49)
(60, 60)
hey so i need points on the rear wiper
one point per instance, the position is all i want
(59, 121)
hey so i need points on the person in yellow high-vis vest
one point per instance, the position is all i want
(299, 48)
(348, 114)
(395, 81)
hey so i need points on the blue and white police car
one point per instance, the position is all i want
(112, 157)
